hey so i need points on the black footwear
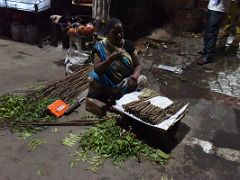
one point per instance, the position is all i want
(203, 61)
(200, 52)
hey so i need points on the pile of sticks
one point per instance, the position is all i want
(148, 94)
(68, 88)
(150, 113)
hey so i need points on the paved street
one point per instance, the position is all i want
(227, 83)
(207, 140)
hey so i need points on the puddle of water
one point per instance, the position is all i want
(196, 82)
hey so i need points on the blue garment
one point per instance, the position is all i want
(107, 79)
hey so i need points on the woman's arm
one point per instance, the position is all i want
(101, 66)
(132, 82)
(137, 65)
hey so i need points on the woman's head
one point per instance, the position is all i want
(114, 31)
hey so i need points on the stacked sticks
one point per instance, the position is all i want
(150, 113)
(68, 88)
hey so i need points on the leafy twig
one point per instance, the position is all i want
(35, 143)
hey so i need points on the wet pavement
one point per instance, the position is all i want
(211, 81)
(227, 82)
(206, 145)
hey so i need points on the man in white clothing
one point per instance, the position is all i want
(101, 13)
(216, 12)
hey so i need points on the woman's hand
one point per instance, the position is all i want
(132, 84)
(55, 18)
(115, 54)
(101, 67)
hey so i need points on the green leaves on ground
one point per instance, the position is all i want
(107, 140)
(18, 108)
(89, 116)
(71, 140)
(166, 178)
(35, 143)
(24, 134)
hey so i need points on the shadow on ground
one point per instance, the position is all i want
(164, 140)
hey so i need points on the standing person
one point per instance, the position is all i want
(232, 25)
(63, 8)
(101, 13)
(216, 12)
(117, 69)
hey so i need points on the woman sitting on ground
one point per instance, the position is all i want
(117, 69)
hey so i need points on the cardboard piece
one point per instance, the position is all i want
(159, 101)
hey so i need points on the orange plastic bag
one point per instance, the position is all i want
(58, 108)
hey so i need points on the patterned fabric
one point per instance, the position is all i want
(101, 88)
(114, 82)
(120, 69)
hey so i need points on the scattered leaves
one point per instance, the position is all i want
(166, 178)
(19, 108)
(39, 172)
(54, 130)
(24, 135)
(89, 116)
(107, 140)
(36, 143)
(71, 140)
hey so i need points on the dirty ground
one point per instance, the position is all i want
(207, 141)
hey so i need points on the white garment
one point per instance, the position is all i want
(221, 7)
(101, 10)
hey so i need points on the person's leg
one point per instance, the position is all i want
(213, 29)
(211, 35)
(94, 89)
(54, 34)
(238, 40)
(205, 37)
(65, 40)
(101, 92)
(99, 86)
(238, 31)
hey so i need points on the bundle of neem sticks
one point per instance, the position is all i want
(148, 112)
(69, 87)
